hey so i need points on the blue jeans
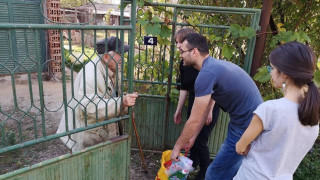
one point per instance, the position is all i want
(227, 162)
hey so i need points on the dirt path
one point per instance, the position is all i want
(28, 100)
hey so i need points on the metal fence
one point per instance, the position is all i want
(156, 68)
(27, 115)
(150, 70)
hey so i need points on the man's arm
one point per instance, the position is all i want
(182, 99)
(254, 129)
(193, 125)
(207, 116)
(96, 98)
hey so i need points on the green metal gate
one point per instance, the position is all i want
(24, 125)
(156, 67)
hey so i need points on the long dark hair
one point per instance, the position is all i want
(298, 62)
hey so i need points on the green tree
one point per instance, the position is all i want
(300, 19)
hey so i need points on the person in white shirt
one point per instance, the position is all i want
(95, 97)
(282, 131)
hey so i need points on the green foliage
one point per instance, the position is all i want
(296, 20)
(153, 28)
(213, 37)
(262, 76)
(107, 17)
(231, 44)
(70, 3)
(76, 65)
(317, 78)
(152, 62)
(228, 51)
(245, 32)
(165, 31)
(156, 21)
(287, 36)
(238, 34)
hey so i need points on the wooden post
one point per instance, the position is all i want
(261, 39)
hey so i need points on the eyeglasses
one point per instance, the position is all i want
(182, 51)
(269, 68)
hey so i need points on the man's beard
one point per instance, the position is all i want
(184, 63)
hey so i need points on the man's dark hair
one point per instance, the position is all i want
(113, 44)
(196, 40)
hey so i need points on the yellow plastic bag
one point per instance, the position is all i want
(161, 175)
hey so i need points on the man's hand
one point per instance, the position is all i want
(209, 118)
(129, 99)
(177, 117)
(176, 151)
(175, 154)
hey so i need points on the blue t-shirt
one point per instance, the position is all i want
(232, 89)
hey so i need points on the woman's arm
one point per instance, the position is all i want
(254, 129)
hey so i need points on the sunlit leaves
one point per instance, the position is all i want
(227, 51)
(153, 29)
(248, 32)
(70, 3)
(302, 37)
(213, 38)
(193, 21)
(316, 78)
(234, 30)
(143, 22)
(284, 37)
(262, 75)
(279, 27)
(165, 31)
(237, 31)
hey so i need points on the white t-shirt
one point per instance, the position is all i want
(276, 153)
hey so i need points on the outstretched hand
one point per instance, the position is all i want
(130, 99)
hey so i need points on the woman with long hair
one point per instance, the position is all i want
(282, 131)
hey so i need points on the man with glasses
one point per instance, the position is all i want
(96, 97)
(232, 89)
(199, 153)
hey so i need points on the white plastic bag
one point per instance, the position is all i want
(179, 170)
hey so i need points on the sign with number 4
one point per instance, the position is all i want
(149, 40)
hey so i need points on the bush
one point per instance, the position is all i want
(77, 66)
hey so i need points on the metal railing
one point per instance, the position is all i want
(12, 119)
